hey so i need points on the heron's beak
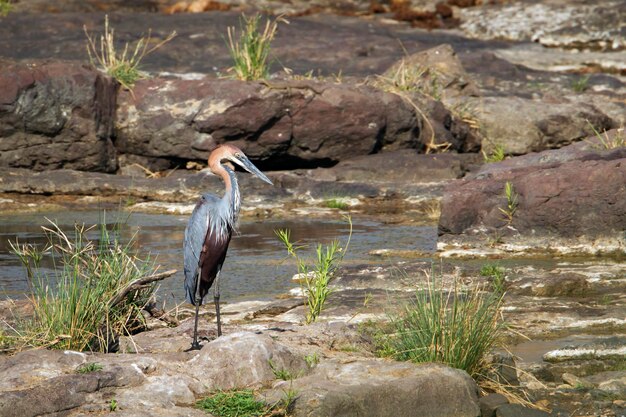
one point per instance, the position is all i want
(245, 163)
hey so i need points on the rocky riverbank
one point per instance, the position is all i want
(343, 116)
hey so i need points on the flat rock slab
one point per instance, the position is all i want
(382, 388)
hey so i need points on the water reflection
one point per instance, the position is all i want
(256, 265)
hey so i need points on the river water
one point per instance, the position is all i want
(257, 266)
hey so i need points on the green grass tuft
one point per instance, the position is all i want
(5, 7)
(316, 278)
(76, 307)
(496, 155)
(237, 403)
(581, 84)
(312, 359)
(511, 202)
(455, 327)
(88, 368)
(250, 52)
(617, 140)
(336, 203)
(496, 273)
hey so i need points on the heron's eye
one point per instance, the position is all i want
(238, 155)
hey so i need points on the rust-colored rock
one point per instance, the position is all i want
(56, 115)
(277, 123)
(572, 192)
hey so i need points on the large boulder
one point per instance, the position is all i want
(521, 125)
(282, 123)
(572, 192)
(56, 115)
(383, 388)
(242, 359)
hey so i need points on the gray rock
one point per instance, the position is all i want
(403, 166)
(242, 359)
(611, 382)
(516, 410)
(56, 115)
(521, 125)
(490, 403)
(60, 393)
(576, 381)
(382, 388)
(570, 25)
(25, 367)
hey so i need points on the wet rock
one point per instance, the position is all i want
(490, 403)
(278, 123)
(607, 348)
(571, 198)
(56, 115)
(242, 359)
(563, 285)
(502, 369)
(611, 382)
(576, 382)
(369, 388)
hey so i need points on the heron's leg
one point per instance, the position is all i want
(195, 344)
(216, 298)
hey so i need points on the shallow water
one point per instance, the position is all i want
(256, 266)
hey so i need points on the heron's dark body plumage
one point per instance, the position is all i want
(207, 237)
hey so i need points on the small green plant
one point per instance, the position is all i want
(289, 398)
(316, 278)
(251, 51)
(236, 403)
(113, 405)
(495, 155)
(581, 84)
(281, 373)
(312, 359)
(455, 327)
(496, 273)
(88, 368)
(336, 203)
(124, 66)
(511, 202)
(78, 306)
(617, 140)
(5, 7)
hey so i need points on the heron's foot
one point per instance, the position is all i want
(195, 345)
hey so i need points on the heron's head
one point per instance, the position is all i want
(226, 154)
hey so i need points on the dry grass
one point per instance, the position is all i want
(124, 65)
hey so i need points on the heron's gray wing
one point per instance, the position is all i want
(195, 235)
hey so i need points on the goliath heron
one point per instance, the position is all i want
(209, 231)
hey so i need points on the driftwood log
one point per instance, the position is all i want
(137, 284)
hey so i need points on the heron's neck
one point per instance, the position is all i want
(231, 197)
